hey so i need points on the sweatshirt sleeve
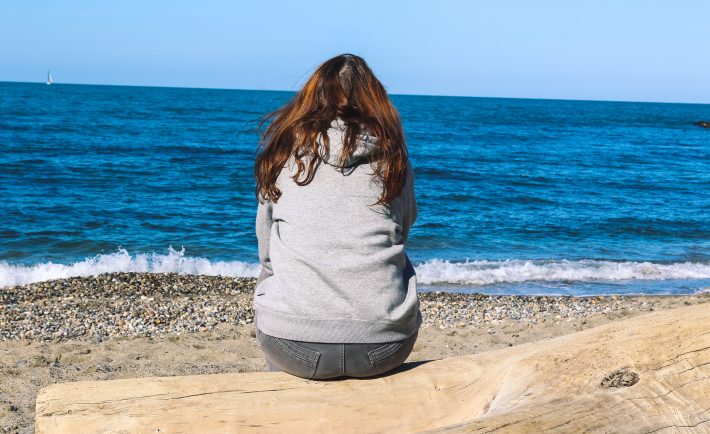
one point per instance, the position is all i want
(264, 221)
(410, 203)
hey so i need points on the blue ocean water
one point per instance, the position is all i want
(514, 195)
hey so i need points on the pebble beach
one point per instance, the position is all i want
(126, 325)
(161, 304)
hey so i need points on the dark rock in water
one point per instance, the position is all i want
(704, 124)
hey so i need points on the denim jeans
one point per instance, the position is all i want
(317, 360)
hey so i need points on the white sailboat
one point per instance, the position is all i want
(49, 77)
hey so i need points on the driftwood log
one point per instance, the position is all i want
(648, 374)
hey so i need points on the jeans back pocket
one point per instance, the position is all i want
(384, 351)
(289, 356)
(392, 352)
(297, 351)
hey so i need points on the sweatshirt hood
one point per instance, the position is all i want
(366, 144)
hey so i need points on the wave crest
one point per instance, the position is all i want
(431, 272)
(438, 271)
(121, 261)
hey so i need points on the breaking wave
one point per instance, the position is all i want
(438, 271)
(173, 262)
(431, 272)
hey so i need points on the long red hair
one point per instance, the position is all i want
(343, 87)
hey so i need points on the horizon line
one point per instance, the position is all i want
(54, 83)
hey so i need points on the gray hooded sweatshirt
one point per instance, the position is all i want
(334, 267)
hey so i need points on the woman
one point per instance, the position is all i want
(337, 294)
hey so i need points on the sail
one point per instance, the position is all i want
(49, 77)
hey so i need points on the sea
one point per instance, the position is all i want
(515, 196)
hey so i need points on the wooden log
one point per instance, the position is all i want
(650, 373)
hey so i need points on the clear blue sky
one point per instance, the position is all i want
(629, 50)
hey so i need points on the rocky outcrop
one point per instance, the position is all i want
(650, 373)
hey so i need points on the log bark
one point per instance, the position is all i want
(648, 374)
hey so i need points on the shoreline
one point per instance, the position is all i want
(204, 325)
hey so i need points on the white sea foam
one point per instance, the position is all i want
(435, 271)
(174, 261)
(439, 271)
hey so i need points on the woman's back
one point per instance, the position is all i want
(335, 265)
